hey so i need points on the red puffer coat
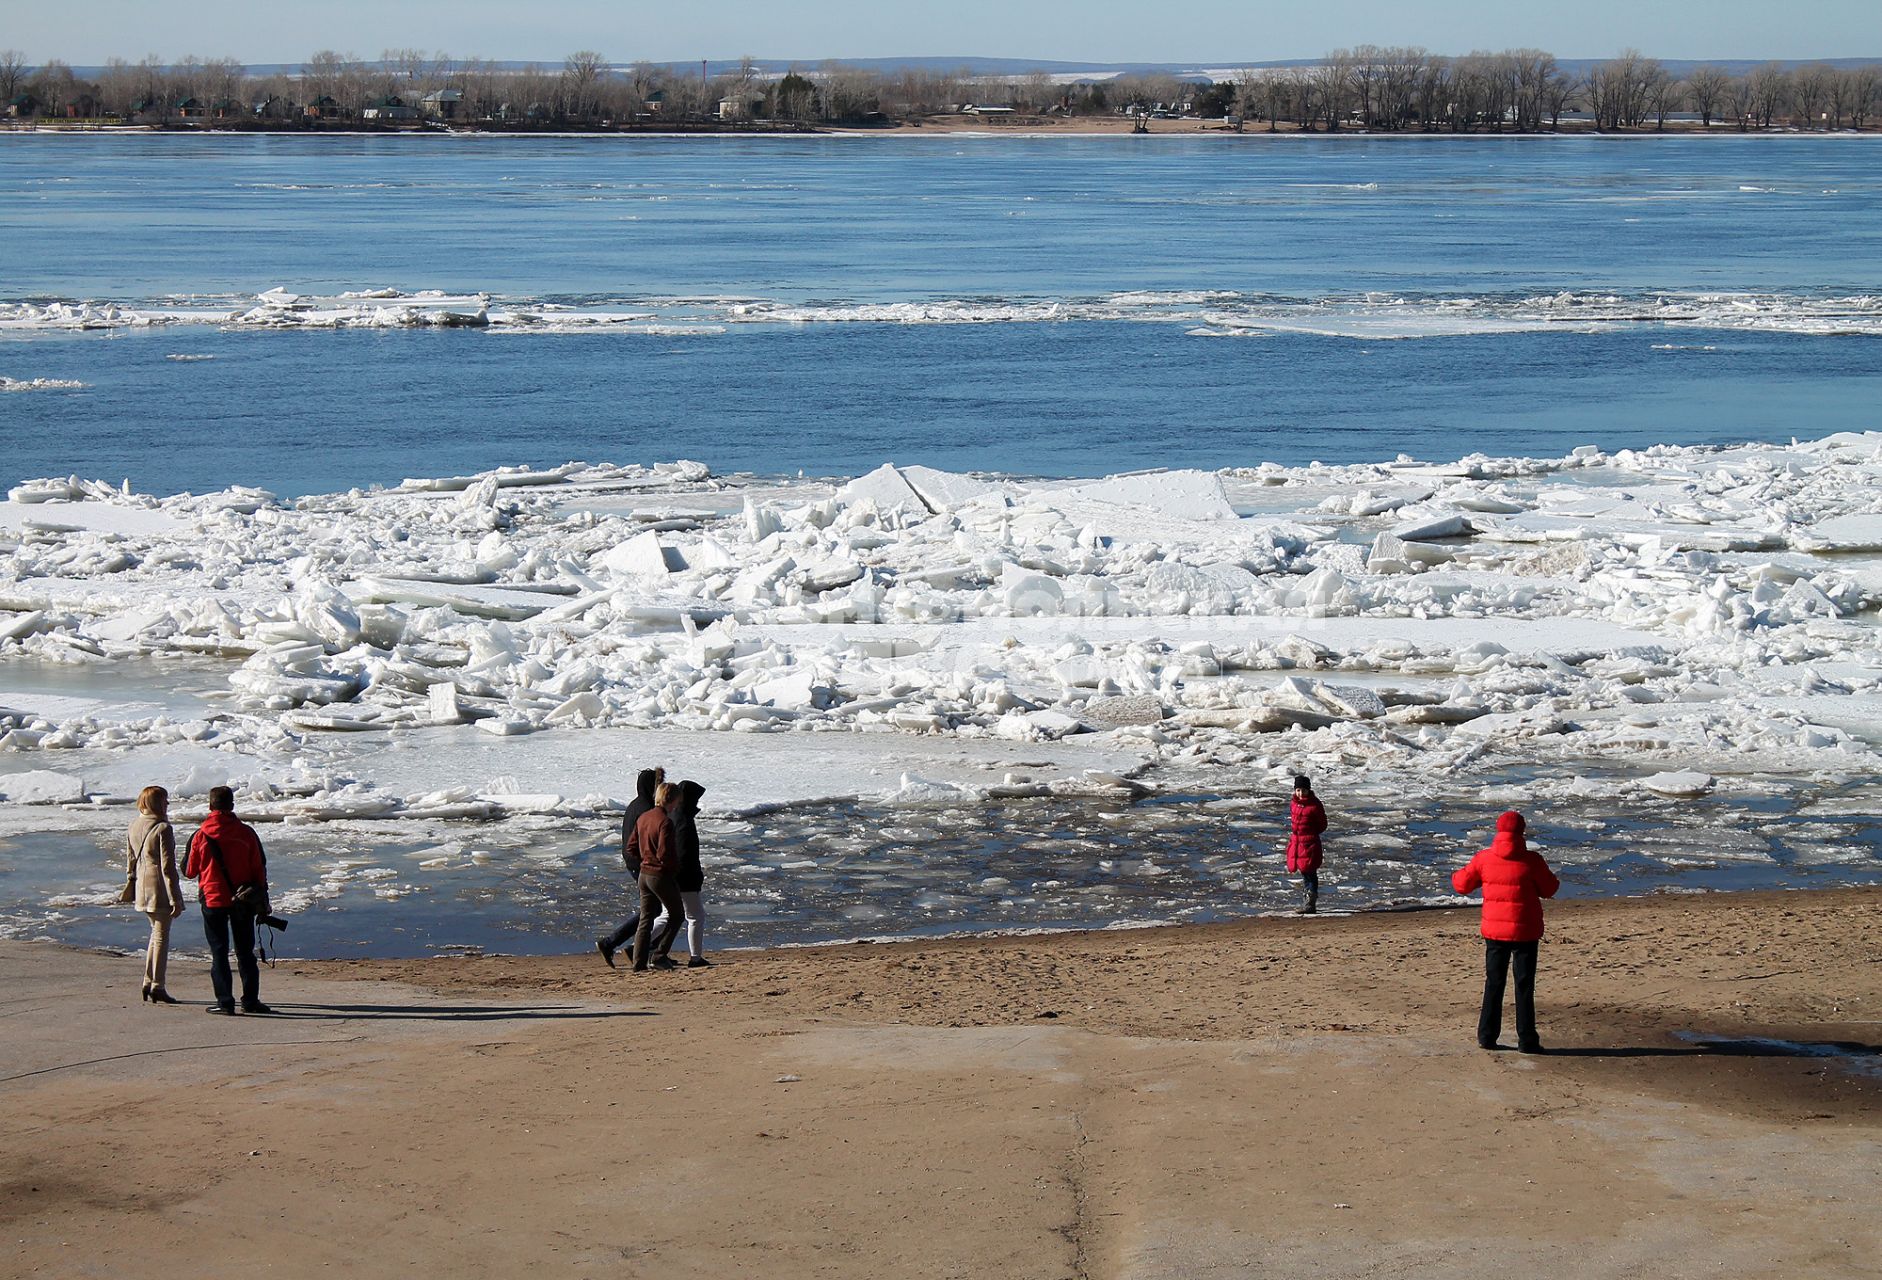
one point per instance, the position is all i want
(1306, 819)
(1514, 882)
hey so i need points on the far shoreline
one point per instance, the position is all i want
(947, 127)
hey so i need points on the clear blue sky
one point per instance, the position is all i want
(1205, 31)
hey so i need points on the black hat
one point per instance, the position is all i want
(1301, 783)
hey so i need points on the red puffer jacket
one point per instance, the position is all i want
(1514, 882)
(241, 856)
(1306, 819)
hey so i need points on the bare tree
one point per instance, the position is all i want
(1865, 91)
(581, 80)
(186, 78)
(1333, 86)
(222, 80)
(1706, 90)
(320, 75)
(1400, 69)
(55, 86)
(1742, 100)
(1558, 96)
(13, 69)
(1664, 94)
(1770, 92)
(1810, 94)
(117, 87)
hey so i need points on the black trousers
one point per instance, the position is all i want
(218, 924)
(1311, 881)
(1498, 959)
(623, 935)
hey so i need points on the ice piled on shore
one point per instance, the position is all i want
(515, 643)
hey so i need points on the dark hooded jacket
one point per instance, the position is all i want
(686, 836)
(1514, 882)
(643, 801)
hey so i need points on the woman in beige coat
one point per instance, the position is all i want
(151, 883)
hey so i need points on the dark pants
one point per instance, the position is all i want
(1311, 879)
(623, 935)
(656, 892)
(1497, 961)
(218, 924)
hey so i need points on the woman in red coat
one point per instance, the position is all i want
(1514, 883)
(1306, 819)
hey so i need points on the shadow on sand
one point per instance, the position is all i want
(446, 1013)
(1745, 1048)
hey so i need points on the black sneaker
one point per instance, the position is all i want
(699, 962)
(1534, 1046)
(255, 1006)
(665, 962)
(220, 1008)
(607, 952)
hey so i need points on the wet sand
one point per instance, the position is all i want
(1273, 1097)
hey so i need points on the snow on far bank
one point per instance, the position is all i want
(521, 642)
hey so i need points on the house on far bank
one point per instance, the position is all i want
(393, 109)
(273, 107)
(325, 108)
(971, 110)
(442, 104)
(24, 107)
(737, 108)
(193, 109)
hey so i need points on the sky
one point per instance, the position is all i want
(1210, 32)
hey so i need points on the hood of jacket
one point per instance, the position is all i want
(218, 822)
(690, 793)
(645, 783)
(1509, 842)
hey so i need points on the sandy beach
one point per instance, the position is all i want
(1273, 1097)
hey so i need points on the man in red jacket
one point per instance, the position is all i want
(1514, 882)
(225, 853)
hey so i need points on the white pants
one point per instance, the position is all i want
(695, 923)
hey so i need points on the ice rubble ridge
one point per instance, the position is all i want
(1224, 311)
(1640, 603)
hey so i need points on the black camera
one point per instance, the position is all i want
(273, 922)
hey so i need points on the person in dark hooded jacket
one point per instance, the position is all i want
(1514, 882)
(623, 934)
(692, 877)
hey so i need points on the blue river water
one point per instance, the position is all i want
(1047, 306)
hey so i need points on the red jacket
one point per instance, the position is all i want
(1514, 882)
(659, 851)
(1306, 819)
(241, 855)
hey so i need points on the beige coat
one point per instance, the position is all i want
(150, 866)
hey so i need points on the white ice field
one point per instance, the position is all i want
(1672, 622)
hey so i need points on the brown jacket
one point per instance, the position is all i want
(659, 851)
(150, 866)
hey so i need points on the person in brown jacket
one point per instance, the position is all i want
(659, 879)
(151, 883)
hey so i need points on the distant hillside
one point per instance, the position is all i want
(1211, 69)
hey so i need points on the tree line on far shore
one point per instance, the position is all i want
(1368, 87)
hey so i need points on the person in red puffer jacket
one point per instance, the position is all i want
(1514, 883)
(1306, 820)
(224, 853)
